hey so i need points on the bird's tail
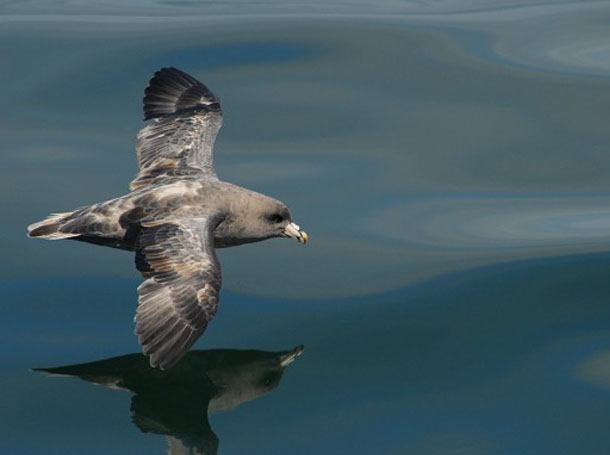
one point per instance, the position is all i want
(49, 228)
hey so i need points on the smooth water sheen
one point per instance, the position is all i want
(450, 162)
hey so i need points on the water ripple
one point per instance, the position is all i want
(497, 223)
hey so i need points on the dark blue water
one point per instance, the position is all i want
(449, 161)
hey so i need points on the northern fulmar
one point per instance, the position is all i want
(176, 214)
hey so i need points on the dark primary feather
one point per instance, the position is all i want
(180, 141)
(181, 296)
(171, 90)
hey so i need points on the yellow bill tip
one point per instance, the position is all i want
(303, 238)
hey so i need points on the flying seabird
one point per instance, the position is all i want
(176, 214)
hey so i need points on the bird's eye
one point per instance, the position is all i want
(276, 218)
(270, 378)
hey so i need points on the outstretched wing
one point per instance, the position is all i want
(180, 297)
(180, 140)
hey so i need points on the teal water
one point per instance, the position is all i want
(449, 161)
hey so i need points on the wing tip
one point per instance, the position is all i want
(171, 90)
(167, 354)
(164, 337)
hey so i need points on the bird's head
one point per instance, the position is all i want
(254, 217)
(278, 221)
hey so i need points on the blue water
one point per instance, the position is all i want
(449, 161)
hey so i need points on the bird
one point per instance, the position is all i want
(177, 402)
(176, 214)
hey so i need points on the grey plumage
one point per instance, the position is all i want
(177, 213)
(180, 142)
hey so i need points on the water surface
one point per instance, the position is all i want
(449, 161)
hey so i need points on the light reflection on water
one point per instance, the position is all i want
(413, 141)
(497, 223)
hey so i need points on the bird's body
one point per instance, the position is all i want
(176, 215)
(117, 222)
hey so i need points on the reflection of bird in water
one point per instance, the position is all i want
(176, 215)
(176, 402)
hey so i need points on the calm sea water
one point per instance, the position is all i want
(449, 160)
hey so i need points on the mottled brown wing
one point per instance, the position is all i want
(180, 297)
(180, 140)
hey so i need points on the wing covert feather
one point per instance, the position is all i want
(180, 297)
(180, 140)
